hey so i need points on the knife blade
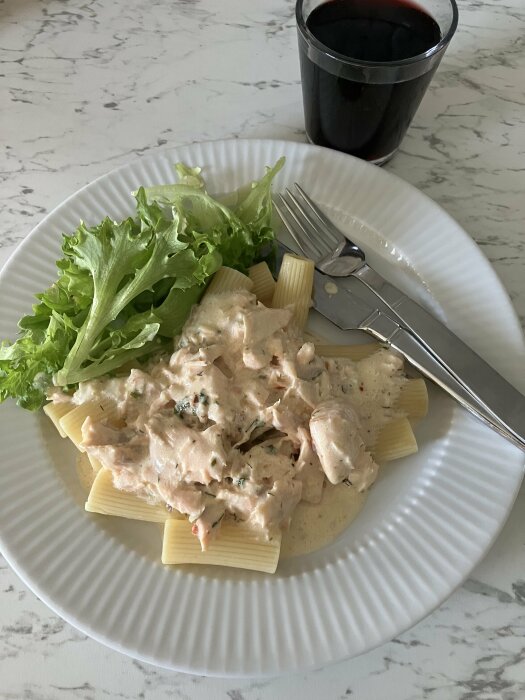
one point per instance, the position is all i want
(348, 312)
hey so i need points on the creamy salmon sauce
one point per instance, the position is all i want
(243, 420)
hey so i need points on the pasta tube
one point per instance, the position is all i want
(236, 546)
(226, 279)
(56, 411)
(105, 499)
(413, 399)
(72, 422)
(395, 440)
(263, 282)
(294, 286)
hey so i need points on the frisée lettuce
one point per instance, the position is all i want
(124, 289)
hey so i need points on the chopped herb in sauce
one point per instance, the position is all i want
(135, 394)
(182, 406)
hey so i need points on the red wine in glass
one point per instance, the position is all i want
(364, 73)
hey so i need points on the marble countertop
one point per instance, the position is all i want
(88, 85)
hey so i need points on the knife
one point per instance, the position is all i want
(348, 311)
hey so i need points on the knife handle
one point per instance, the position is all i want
(501, 400)
(386, 330)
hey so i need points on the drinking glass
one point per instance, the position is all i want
(360, 88)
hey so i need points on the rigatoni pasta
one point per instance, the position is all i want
(226, 279)
(413, 399)
(71, 423)
(56, 411)
(294, 287)
(263, 282)
(237, 547)
(105, 499)
(395, 440)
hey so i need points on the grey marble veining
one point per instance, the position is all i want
(87, 85)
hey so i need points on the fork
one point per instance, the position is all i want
(336, 255)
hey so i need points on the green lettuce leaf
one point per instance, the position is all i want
(239, 230)
(124, 289)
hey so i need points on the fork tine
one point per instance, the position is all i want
(301, 234)
(303, 244)
(329, 228)
(308, 229)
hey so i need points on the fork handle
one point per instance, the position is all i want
(503, 402)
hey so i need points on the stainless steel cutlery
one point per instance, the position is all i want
(371, 303)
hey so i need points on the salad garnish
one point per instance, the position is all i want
(125, 289)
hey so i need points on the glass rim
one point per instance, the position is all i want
(310, 38)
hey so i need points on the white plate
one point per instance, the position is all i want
(428, 521)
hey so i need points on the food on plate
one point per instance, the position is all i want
(224, 437)
(180, 369)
